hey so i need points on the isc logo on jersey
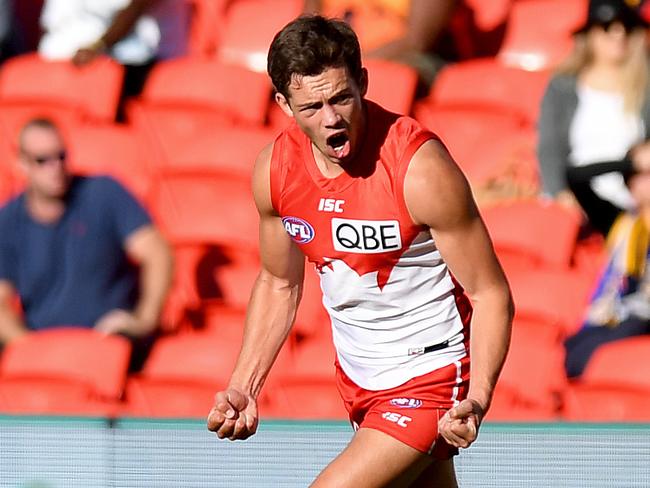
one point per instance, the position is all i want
(366, 236)
(300, 230)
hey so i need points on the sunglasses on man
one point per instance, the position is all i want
(46, 158)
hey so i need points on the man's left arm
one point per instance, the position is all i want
(438, 196)
(149, 250)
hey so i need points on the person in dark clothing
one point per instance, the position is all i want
(67, 249)
(620, 306)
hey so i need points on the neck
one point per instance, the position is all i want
(43, 208)
(604, 76)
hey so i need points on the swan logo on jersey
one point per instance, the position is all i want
(366, 236)
(406, 402)
(300, 230)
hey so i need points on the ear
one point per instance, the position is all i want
(282, 101)
(23, 163)
(363, 86)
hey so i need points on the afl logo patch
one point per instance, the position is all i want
(406, 402)
(300, 230)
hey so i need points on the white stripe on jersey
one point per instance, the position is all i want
(373, 328)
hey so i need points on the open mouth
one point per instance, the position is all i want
(339, 143)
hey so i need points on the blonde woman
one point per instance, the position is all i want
(597, 109)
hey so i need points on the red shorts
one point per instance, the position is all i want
(409, 412)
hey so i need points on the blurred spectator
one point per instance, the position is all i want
(6, 14)
(620, 306)
(134, 32)
(421, 40)
(597, 107)
(68, 246)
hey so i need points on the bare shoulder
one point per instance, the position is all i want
(262, 181)
(436, 191)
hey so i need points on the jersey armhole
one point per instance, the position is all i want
(403, 166)
(275, 174)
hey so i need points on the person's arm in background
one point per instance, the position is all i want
(270, 315)
(602, 213)
(11, 324)
(552, 150)
(122, 24)
(147, 248)
(426, 21)
(438, 196)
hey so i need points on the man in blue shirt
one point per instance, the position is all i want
(78, 251)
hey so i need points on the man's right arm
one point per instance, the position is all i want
(271, 312)
(11, 325)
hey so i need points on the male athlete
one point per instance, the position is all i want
(377, 204)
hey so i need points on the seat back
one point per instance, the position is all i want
(625, 362)
(545, 231)
(93, 90)
(73, 354)
(208, 84)
(505, 88)
(538, 35)
(250, 26)
(199, 207)
(392, 85)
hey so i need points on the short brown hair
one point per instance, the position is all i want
(39, 123)
(310, 44)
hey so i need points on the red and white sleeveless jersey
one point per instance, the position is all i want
(387, 290)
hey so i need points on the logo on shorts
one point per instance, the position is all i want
(300, 230)
(400, 420)
(406, 402)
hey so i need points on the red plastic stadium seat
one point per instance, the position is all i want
(250, 26)
(508, 406)
(92, 90)
(206, 26)
(75, 354)
(191, 83)
(482, 141)
(489, 14)
(501, 87)
(113, 150)
(13, 116)
(206, 208)
(166, 398)
(183, 373)
(624, 362)
(531, 42)
(558, 297)
(533, 371)
(606, 403)
(392, 85)
(303, 399)
(52, 396)
(227, 322)
(544, 231)
(314, 358)
(79, 365)
(198, 357)
(203, 142)
(312, 319)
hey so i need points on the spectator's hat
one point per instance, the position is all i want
(606, 12)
